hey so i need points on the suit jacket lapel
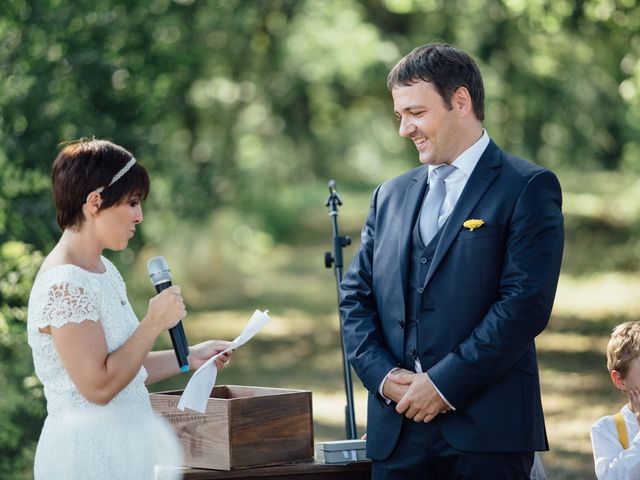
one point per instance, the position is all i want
(410, 210)
(483, 175)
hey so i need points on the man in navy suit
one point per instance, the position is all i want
(455, 276)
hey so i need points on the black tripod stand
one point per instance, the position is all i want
(335, 259)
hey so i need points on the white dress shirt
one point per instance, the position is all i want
(456, 180)
(454, 184)
(611, 461)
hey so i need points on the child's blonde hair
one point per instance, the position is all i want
(623, 347)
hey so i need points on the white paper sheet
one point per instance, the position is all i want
(196, 393)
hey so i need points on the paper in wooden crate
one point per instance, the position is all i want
(242, 427)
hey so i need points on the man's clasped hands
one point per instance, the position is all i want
(415, 395)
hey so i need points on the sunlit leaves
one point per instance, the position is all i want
(21, 402)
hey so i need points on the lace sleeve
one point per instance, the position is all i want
(65, 302)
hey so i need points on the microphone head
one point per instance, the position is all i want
(158, 270)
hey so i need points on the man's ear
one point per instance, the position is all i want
(461, 101)
(93, 202)
(618, 380)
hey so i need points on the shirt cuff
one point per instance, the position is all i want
(380, 389)
(442, 396)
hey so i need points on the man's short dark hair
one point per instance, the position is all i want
(446, 67)
(85, 165)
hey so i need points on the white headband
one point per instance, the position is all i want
(118, 175)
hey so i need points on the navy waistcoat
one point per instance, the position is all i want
(418, 301)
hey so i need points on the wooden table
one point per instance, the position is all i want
(291, 471)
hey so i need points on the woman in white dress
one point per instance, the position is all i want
(90, 352)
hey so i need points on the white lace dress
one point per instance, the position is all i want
(82, 440)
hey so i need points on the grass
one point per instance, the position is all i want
(230, 266)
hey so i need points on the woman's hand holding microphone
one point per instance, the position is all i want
(166, 309)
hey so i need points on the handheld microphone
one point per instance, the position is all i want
(160, 276)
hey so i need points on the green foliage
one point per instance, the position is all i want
(22, 402)
(223, 100)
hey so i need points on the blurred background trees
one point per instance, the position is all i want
(242, 110)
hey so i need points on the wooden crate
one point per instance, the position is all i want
(242, 427)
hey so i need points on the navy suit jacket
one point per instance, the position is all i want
(487, 294)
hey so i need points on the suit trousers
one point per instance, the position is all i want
(422, 453)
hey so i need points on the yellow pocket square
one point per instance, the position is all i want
(473, 223)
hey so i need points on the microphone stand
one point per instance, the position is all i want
(335, 259)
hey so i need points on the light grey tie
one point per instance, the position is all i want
(433, 202)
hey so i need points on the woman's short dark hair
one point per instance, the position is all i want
(446, 67)
(85, 165)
